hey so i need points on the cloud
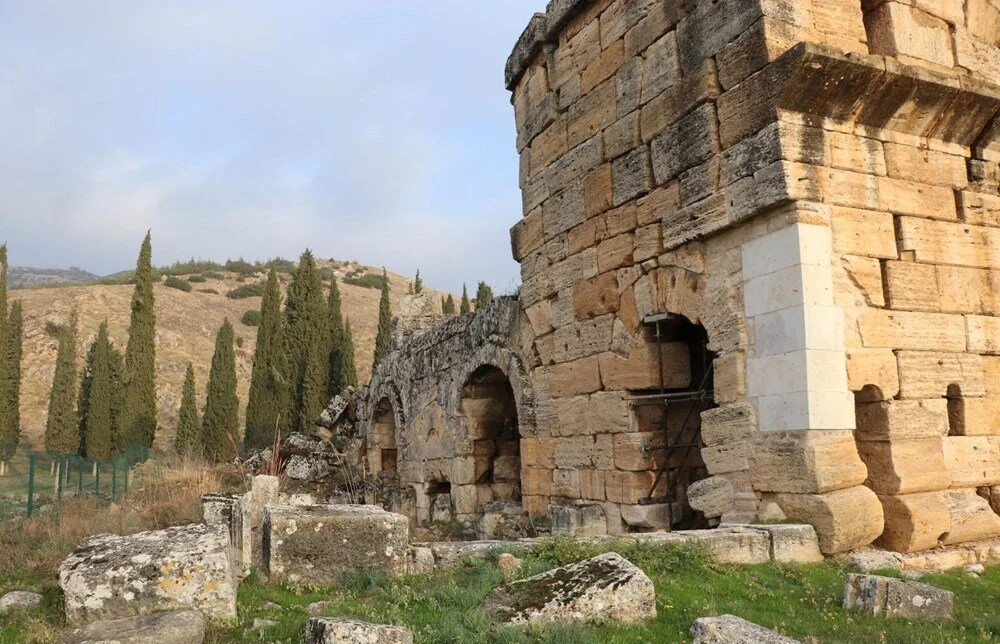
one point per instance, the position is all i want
(377, 131)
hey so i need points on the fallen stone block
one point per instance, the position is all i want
(606, 587)
(320, 630)
(897, 597)
(870, 560)
(509, 565)
(733, 545)
(19, 600)
(227, 510)
(729, 629)
(790, 542)
(447, 553)
(180, 627)
(579, 519)
(150, 572)
(320, 543)
(844, 520)
(713, 496)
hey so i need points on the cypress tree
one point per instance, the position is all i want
(307, 344)
(62, 430)
(96, 405)
(418, 284)
(4, 366)
(349, 374)
(10, 383)
(268, 383)
(336, 380)
(220, 424)
(116, 364)
(448, 307)
(188, 423)
(484, 295)
(465, 306)
(384, 334)
(139, 411)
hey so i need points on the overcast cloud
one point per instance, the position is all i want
(376, 130)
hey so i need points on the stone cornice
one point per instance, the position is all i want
(543, 28)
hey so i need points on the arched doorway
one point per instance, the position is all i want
(490, 414)
(382, 453)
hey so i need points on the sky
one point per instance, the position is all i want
(370, 130)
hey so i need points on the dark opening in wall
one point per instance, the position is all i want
(956, 410)
(491, 420)
(670, 419)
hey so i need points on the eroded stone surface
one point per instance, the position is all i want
(114, 576)
(321, 630)
(320, 543)
(19, 600)
(178, 627)
(897, 598)
(604, 587)
(728, 629)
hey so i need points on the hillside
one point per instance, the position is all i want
(186, 328)
(27, 277)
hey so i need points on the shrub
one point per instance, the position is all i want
(189, 267)
(213, 275)
(326, 273)
(255, 289)
(366, 281)
(54, 329)
(196, 278)
(251, 318)
(241, 267)
(211, 291)
(280, 265)
(177, 283)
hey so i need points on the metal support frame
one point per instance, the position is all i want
(687, 436)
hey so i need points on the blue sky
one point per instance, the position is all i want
(376, 130)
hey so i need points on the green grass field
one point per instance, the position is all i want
(800, 601)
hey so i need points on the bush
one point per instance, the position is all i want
(280, 265)
(251, 318)
(213, 275)
(247, 290)
(197, 279)
(211, 291)
(177, 283)
(189, 267)
(326, 273)
(366, 281)
(241, 267)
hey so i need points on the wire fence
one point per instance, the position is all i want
(30, 480)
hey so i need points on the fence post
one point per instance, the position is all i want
(114, 477)
(79, 478)
(31, 484)
(97, 478)
(64, 465)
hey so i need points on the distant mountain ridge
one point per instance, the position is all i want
(27, 277)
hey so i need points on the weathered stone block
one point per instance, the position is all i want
(844, 519)
(972, 518)
(322, 630)
(892, 420)
(810, 461)
(180, 627)
(149, 572)
(728, 423)
(973, 461)
(927, 374)
(914, 522)
(690, 141)
(640, 369)
(713, 496)
(632, 176)
(579, 519)
(320, 543)
(904, 466)
(728, 629)
(606, 587)
(897, 598)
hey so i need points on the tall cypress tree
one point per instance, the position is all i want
(188, 435)
(116, 363)
(336, 380)
(418, 284)
(348, 373)
(448, 305)
(307, 343)
(384, 335)
(268, 380)
(465, 306)
(96, 404)
(139, 411)
(4, 366)
(62, 430)
(484, 295)
(220, 429)
(10, 383)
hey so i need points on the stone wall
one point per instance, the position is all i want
(815, 183)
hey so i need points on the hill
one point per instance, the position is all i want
(27, 277)
(186, 324)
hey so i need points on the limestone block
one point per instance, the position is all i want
(944, 242)
(844, 519)
(912, 330)
(925, 166)
(874, 367)
(630, 487)
(979, 208)
(615, 252)
(636, 451)
(858, 281)
(631, 176)
(729, 370)
(579, 519)
(896, 29)
(595, 297)
(689, 142)
(735, 545)
(914, 522)
(178, 568)
(654, 516)
(973, 461)
(791, 543)
(713, 496)
(179, 627)
(927, 374)
(681, 291)
(911, 287)
(892, 420)
(980, 57)
(893, 597)
(580, 376)
(606, 587)
(640, 369)
(728, 423)
(810, 461)
(863, 232)
(538, 452)
(727, 458)
(904, 466)
(319, 543)
(976, 416)
(609, 412)
(323, 630)
(536, 481)
(971, 517)
(728, 629)
(18, 600)
(566, 483)
(984, 334)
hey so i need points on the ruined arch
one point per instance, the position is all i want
(384, 431)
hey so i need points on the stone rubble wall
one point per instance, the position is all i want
(816, 183)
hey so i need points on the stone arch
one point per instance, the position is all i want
(384, 431)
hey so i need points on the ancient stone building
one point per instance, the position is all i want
(760, 255)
